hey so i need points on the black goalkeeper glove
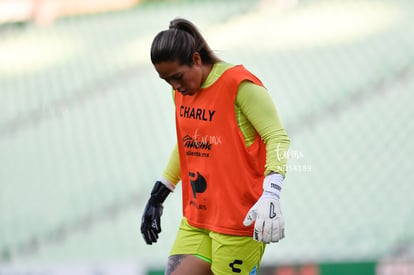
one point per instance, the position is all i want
(151, 218)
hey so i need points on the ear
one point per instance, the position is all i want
(197, 59)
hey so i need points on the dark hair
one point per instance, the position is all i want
(179, 43)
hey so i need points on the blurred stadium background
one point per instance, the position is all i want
(86, 126)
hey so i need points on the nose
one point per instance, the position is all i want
(175, 84)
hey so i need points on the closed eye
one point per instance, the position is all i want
(177, 77)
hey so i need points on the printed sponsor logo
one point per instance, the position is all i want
(198, 185)
(200, 145)
(192, 143)
(275, 186)
(234, 264)
(272, 213)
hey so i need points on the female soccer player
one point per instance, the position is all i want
(229, 157)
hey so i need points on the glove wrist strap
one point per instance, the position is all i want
(159, 193)
(272, 185)
(167, 183)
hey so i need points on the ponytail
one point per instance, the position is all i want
(179, 43)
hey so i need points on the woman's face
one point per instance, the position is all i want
(183, 78)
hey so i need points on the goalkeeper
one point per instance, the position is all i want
(230, 157)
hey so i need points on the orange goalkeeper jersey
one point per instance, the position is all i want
(221, 177)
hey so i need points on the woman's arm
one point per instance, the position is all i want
(257, 106)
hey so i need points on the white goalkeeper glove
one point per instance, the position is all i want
(270, 224)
